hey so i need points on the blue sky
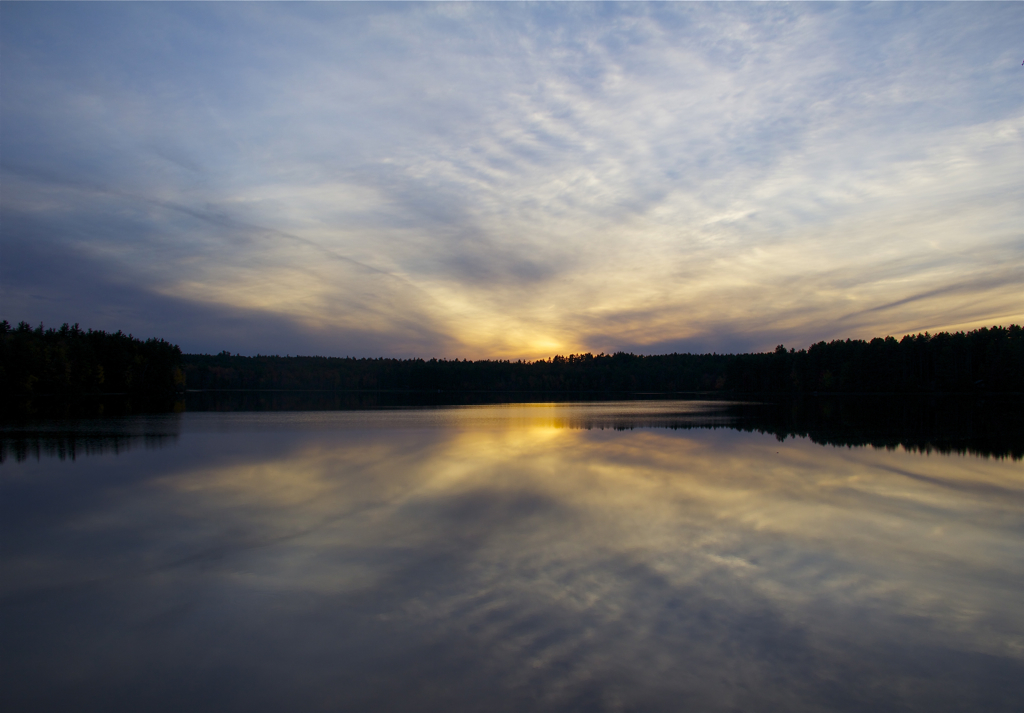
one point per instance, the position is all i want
(511, 180)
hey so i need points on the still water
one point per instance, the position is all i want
(565, 557)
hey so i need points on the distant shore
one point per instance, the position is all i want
(989, 360)
(69, 360)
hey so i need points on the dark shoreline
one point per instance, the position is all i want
(989, 360)
(71, 361)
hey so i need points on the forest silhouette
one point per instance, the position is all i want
(72, 361)
(954, 390)
(983, 360)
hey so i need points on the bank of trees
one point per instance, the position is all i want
(983, 360)
(988, 359)
(69, 361)
(577, 372)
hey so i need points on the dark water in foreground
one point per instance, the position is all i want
(569, 557)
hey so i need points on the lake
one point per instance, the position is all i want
(595, 556)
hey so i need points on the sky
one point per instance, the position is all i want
(492, 180)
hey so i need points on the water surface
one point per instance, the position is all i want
(592, 557)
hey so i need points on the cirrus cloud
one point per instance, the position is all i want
(511, 180)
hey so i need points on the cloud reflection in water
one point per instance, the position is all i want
(505, 558)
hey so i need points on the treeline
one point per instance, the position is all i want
(983, 360)
(69, 360)
(577, 372)
(72, 361)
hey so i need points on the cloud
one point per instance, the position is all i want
(49, 281)
(520, 178)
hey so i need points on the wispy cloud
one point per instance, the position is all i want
(514, 180)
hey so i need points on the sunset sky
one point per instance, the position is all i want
(481, 180)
